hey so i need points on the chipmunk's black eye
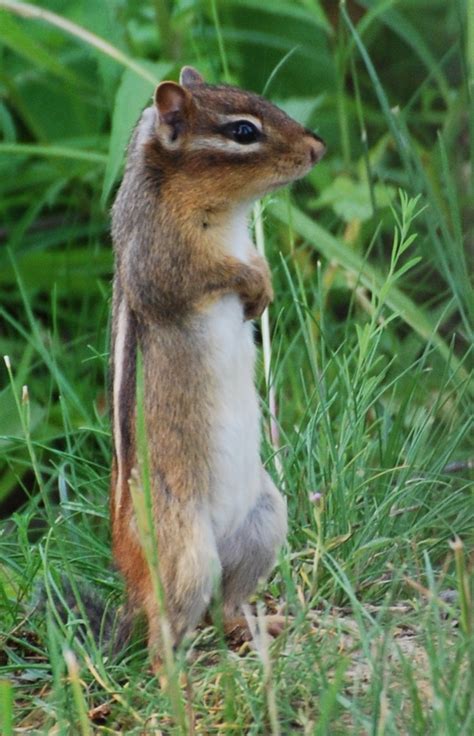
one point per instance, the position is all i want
(243, 131)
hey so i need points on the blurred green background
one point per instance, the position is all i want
(371, 355)
(384, 83)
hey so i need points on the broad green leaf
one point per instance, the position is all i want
(102, 17)
(14, 37)
(80, 33)
(7, 125)
(400, 24)
(290, 35)
(132, 96)
(300, 108)
(73, 270)
(351, 199)
(313, 16)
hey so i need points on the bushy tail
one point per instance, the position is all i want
(78, 604)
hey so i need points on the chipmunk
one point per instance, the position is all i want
(188, 283)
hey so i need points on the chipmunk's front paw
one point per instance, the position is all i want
(261, 294)
(255, 309)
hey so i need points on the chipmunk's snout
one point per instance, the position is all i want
(317, 147)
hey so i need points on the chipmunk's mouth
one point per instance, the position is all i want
(289, 180)
(302, 170)
(283, 183)
(280, 184)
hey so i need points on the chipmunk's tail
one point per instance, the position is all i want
(77, 605)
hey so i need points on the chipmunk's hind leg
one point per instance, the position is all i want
(249, 553)
(190, 571)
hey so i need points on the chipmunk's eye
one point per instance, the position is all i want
(243, 131)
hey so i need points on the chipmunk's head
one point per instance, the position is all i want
(224, 143)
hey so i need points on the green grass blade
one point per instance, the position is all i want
(367, 275)
(32, 12)
(6, 708)
(15, 38)
(30, 149)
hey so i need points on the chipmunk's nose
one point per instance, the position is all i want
(317, 147)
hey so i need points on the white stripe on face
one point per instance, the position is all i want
(233, 118)
(220, 143)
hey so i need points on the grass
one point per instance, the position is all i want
(366, 384)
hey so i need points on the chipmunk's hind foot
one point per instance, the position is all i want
(238, 630)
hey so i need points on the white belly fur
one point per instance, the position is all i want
(235, 457)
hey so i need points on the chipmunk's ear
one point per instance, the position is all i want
(189, 77)
(173, 104)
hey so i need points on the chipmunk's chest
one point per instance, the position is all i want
(232, 235)
(234, 421)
